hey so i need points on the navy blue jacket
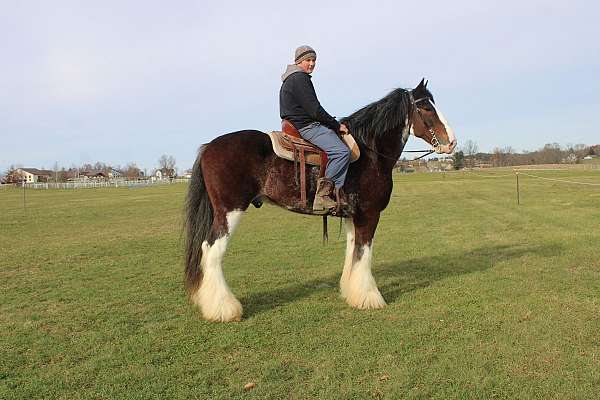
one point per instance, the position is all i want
(298, 103)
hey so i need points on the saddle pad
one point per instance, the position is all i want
(311, 158)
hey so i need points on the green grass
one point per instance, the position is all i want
(486, 299)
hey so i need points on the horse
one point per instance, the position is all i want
(240, 168)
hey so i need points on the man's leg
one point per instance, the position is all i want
(338, 153)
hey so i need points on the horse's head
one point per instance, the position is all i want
(428, 123)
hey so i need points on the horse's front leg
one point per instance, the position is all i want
(357, 284)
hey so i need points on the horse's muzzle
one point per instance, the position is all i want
(446, 148)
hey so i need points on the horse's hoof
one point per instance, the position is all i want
(368, 301)
(230, 311)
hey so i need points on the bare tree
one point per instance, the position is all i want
(56, 170)
(550, 154)
(166, 161)
(167, 165)
(470, 150)
(131, 171)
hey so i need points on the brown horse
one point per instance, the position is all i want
(240, 168)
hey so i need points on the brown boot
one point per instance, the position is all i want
(323, 199)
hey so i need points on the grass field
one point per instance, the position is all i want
(486, 299)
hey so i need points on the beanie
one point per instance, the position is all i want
(303, 53)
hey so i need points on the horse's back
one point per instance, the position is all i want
(241, 144)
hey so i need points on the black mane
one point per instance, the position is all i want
(376, 119)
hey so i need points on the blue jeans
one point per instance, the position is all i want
(338, 153)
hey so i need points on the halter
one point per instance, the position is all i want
(434, 140)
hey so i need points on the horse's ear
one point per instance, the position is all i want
(426, 82)
(422, 83)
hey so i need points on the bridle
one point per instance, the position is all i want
(434, 140)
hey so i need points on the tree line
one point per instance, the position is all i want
(551, 153)
(130, 171)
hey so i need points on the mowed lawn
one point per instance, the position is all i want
(486, 298)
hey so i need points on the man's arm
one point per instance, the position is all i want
(304, 92)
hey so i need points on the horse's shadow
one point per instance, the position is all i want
(398, 278)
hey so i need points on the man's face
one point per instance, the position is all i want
(308, 65)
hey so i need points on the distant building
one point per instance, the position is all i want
(115, 173)
(31, 175)
(164, 173)
(93, 175)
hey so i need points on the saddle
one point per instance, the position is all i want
(288, 144)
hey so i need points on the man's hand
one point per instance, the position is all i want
(344, 129)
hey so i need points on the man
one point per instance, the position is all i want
(299, 105)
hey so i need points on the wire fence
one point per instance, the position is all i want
(93, 185)
(559, 180)
(489, 175)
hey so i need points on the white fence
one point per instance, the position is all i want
(88, 185)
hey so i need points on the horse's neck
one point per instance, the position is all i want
(391, 145)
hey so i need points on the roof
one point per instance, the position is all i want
(93, 173)
(35, 171)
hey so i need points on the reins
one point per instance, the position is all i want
(427, 152)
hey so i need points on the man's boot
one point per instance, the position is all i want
(323, 199)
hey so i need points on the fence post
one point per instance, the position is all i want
(24, 204)
(518, 193)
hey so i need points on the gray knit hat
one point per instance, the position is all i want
(304, 52)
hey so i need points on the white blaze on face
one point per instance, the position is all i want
(451, 137)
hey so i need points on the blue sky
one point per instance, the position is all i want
(123, 82)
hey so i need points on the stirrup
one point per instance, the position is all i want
(341, 207)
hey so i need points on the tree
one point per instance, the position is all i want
(56, 169)
(166, 162)
(131, 171)
(459, 159)
(550, 154)
(470, 149)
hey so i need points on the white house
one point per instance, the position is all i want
(114, 173)
(30, 175)
(164, 173)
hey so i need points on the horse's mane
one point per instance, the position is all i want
(376, 119)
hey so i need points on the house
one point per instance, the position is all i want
(164, 173)
(31, 175)
(114, 173)
(93, 175)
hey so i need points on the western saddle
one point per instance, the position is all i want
(302, 151)
(289, 145)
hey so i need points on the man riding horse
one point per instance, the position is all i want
(299, 105)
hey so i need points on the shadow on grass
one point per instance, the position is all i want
(398, 278)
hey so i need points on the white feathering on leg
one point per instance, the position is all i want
(348, 260)
(362, 292)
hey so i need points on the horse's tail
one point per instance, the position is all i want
(198, 223)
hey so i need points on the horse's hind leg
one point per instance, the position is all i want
(215, 299)
(357, 284)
